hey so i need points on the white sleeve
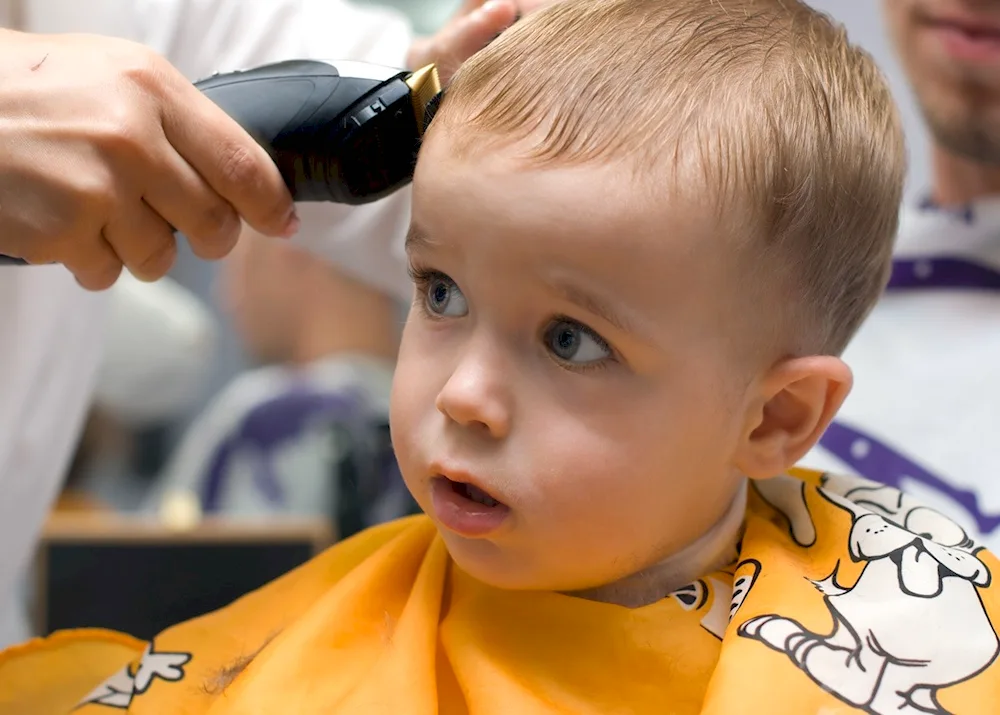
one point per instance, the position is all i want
(50, 348)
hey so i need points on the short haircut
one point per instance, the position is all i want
(792, 127)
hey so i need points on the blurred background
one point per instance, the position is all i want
(249, 398)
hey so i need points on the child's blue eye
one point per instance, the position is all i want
(574, 343)
(443, 297)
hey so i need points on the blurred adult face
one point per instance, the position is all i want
(951, 52)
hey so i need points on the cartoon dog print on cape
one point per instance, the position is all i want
(119, 690)
(719, 599)
(911, 624)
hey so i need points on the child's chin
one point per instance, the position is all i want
(491, 563)
(509, 569)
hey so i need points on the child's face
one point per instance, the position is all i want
(570, 353)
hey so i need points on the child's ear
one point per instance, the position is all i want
(791, 407)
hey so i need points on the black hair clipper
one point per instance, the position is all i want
(345, 132)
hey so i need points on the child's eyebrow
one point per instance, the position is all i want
(594, 304)
(416, 239)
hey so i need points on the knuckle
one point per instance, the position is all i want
(156, 263)
(92, 194)
(238, 166)
(120, 133)
(216, 222)
(144, 68)
(125, 126)
(246, 177)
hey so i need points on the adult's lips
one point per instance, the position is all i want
(966, 37)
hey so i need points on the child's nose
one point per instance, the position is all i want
(476, 396)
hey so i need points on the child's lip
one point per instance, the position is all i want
(459, 513)
(461, 476)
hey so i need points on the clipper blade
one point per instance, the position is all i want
(424, 84)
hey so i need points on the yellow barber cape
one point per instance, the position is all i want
(847, 597)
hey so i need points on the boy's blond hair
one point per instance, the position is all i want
(792, 128)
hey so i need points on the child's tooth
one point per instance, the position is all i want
(479, 496)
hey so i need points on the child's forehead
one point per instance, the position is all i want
(499, 183)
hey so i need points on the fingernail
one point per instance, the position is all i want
(292, 226)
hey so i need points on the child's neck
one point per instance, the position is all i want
(713, 550)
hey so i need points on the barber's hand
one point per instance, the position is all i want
(472, 27)
(105, 148)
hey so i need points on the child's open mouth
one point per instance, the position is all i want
(465, 508)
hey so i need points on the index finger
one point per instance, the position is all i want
(229, 160)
